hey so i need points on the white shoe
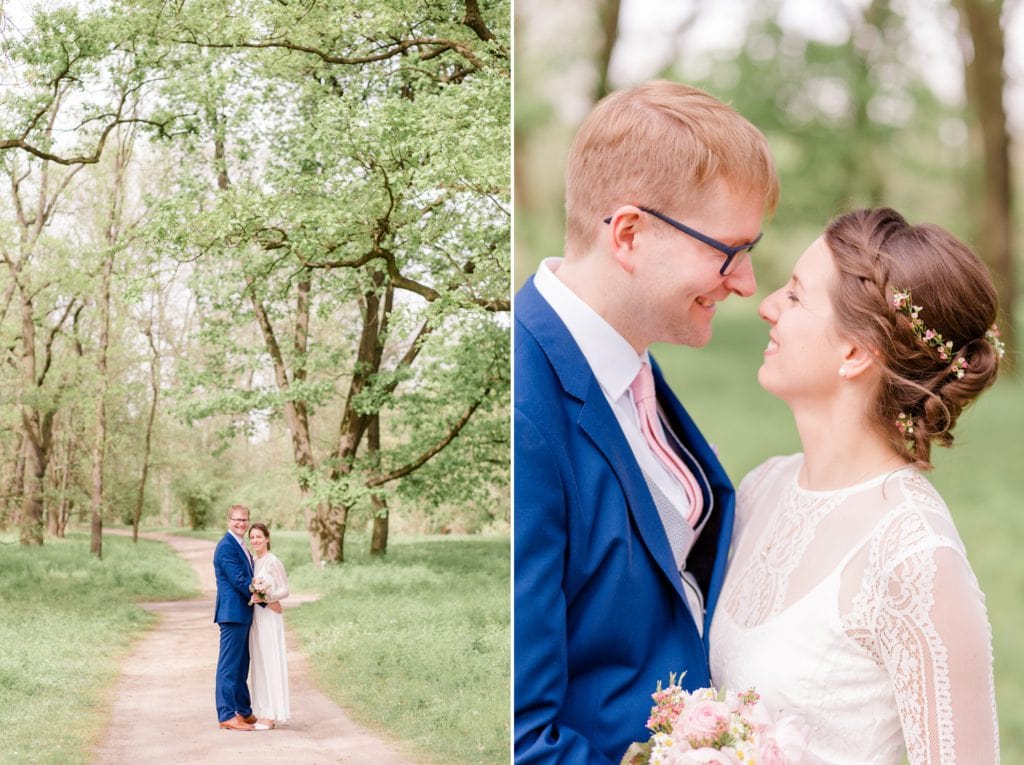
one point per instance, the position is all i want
(263, 726)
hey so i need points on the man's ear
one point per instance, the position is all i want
(624, 226)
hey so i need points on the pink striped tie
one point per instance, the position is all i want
(650, 426)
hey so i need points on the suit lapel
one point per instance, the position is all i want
(241, 551)
(598, 423)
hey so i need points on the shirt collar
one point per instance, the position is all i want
(611, 358)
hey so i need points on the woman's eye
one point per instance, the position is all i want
(791, 297)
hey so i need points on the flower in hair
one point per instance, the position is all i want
(902, 303)
(905, 424)
(992, 335)
(959, 367)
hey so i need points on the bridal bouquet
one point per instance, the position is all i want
(715, 728)
(260, 589)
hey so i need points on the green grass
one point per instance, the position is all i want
(419, 644)
(415, 645)
(981, 477)
(66, 619)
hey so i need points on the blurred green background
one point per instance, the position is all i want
(862, 103)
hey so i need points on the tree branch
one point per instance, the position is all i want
(437, 45)
(448, 437)
(475, 21)
(48, 345)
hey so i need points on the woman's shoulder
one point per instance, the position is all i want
(766, 483)
(771, 469)
(274, 560)
(913, 519)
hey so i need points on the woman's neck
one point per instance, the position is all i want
(841, 450)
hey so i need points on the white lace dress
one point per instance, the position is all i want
(268, 660)
(857, 611)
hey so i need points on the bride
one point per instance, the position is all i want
(268, 662)
(849, 600)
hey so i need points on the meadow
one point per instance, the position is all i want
(66, 619)
(415, 645)
(418, 643)
(980, 477)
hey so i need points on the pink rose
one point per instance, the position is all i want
(784, 742)
(770, 753)
(702, 721)
(703, 756)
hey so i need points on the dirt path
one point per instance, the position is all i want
(163, 705)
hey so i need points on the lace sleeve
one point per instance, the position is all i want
(280, 580)
(933, 636)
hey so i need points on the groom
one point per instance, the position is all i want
(623, 514)
(233, 567)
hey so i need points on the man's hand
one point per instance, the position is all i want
(275, 607)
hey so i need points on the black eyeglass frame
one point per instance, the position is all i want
(729, 251)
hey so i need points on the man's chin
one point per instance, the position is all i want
(696, 337)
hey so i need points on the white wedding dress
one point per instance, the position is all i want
(856, 610)
(268, 661)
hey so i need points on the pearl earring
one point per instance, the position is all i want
(842, 371)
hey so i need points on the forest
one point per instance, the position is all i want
(255, 251)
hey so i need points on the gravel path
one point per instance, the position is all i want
(163, 705)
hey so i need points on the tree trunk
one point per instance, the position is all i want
(154, 381)
(61, 509)
(379, 540)
(608, 14)
(54, 508)
(99, 451)
(35, 454)
(32, 504)
(14, 483)
(985, 84)
(295, 416)
(333, 524)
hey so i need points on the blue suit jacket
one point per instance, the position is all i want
(600, 614)
(234, 575)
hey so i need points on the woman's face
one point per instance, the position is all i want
(257, 540)
(803, 356)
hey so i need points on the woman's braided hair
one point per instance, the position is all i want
(878, 254)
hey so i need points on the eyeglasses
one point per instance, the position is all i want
(730, 252)
(239, 520)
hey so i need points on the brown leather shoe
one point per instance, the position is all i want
(250, 719)
(236, 723)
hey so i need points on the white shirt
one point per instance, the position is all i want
(241, 541)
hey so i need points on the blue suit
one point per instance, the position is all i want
(600, 612)
(232, 612)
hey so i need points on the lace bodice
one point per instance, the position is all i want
(857, 611)
(270, 569)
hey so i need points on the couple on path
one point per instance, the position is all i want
(834, 581)
(248, 610)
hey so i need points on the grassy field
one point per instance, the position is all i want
(415, 645)
(65, 621)
(981, 477)
(419, 644)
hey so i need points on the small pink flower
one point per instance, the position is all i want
(703, 720)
